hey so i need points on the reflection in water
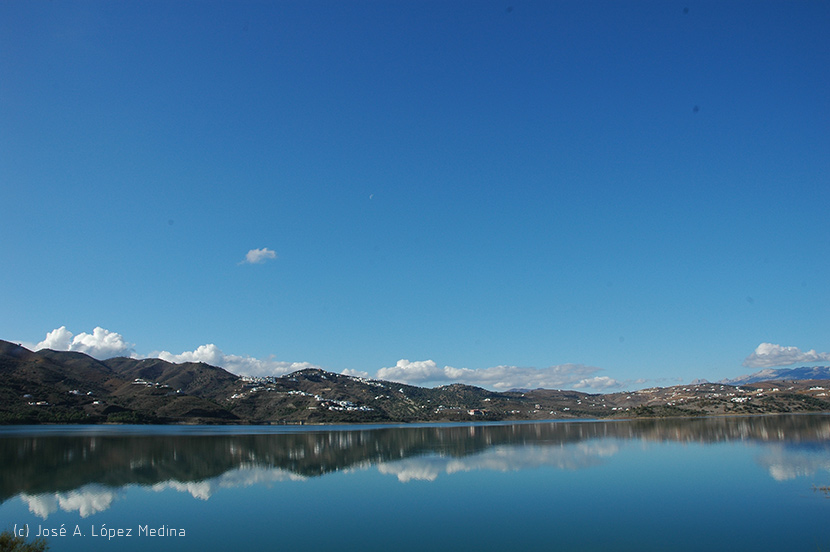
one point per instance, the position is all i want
(86, 471)
(784, 463)
(88, 500)
(233, 479)
(503, 458)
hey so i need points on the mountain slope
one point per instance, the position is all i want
(192, 378)
(59, 387)
(50, 385)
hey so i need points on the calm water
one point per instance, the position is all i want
(706, 484)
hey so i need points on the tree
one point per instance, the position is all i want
(11, 543)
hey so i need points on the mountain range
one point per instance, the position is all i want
(49, 386)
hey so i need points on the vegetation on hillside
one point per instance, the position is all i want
(68, 387)
(11, 543)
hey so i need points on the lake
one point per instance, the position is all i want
(749, 483)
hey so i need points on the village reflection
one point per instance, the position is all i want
(89, 469)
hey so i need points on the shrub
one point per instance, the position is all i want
(11, 543)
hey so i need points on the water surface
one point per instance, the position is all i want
(714, 483)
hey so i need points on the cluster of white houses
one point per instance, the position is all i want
(256, 384)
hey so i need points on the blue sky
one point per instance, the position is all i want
(598, 195)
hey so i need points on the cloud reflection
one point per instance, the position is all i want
(502, 459)
(784, 464)
(87, 474)
(246, 476)
(87, 500)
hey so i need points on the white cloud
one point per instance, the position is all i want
(100, 344)
(597, 382)
(59, 339)
(419, 371)
(258, 256)
(498, 377)
(240, 365)
(355, 373)
(767, 355)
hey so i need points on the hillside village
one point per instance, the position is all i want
(67, 387)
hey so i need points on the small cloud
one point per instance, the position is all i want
(100, 344)
(355, 373)
(415, 372)
(597, 382)
(767, 355)
(259, 256)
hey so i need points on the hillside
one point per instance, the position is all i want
(59, 386)
(66, 387)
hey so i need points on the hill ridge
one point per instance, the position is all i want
(58, 387)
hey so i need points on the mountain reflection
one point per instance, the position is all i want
(86, 470)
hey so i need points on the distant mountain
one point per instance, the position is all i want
(795, 374)
(68, 387)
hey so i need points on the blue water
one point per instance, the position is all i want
(715, 484)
